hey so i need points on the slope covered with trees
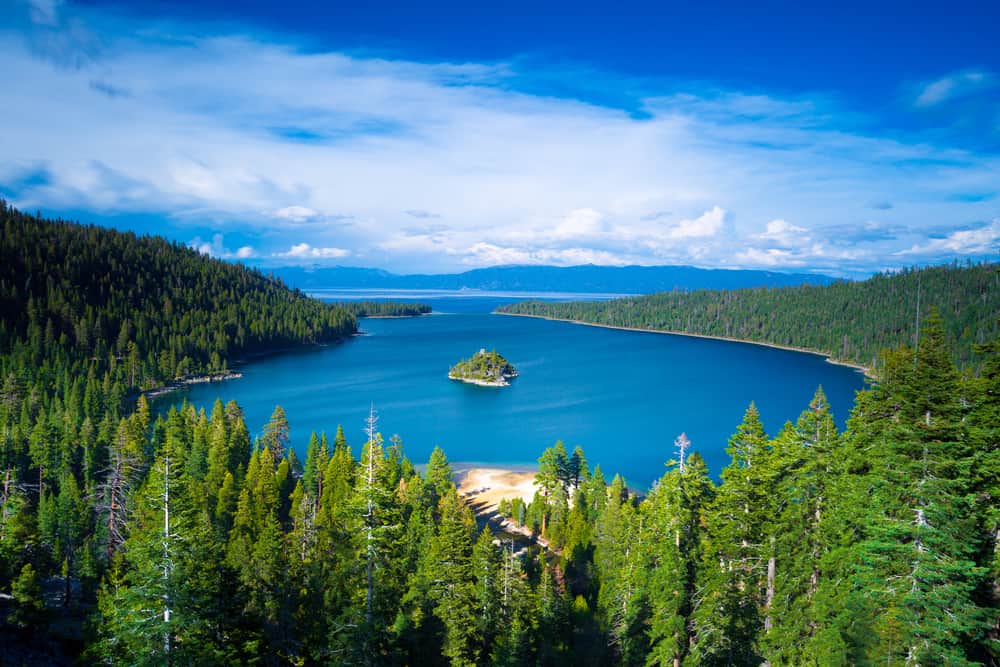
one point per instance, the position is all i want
(875, 546)
(195, 545)
(139, 310)
(849, 321)
(385, 308)
(129, 538)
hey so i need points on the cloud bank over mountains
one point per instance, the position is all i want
(294, 155)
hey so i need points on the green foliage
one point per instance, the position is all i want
(27, 594)
(490, 367)
(850, 321)
(385, 308)
(674, 516)
(142, 309)
(184, 544)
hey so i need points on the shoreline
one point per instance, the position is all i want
(480, 383)
(391, 317)
(830, 360)
(232, 374)
(483, 487)
(177, 385)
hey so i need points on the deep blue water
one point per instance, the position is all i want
(623, 396)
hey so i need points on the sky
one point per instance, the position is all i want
(439, 137)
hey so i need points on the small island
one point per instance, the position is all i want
(487, 369)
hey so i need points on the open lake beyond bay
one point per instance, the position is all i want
(623, 396)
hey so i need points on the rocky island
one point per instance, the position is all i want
(488, 369)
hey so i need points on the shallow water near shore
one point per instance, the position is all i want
(621, 395)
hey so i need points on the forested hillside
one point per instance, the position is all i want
(385, 308)
(92, 301)
(89, 317)
(850, 321)
(194, 545)
(141, 539)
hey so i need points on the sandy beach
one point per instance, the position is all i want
(484, 488)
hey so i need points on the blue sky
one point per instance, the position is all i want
(445, 136)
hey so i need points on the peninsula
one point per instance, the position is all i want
(488, 369)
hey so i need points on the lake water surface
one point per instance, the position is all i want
(623, 396)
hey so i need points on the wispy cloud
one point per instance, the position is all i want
(984, 240)
(953, 86)
(215, 131)
(421, 215)
(785, 234)
(301, 251)
(296, 213)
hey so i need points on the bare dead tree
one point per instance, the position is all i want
(114, 493)
(370, 431)
(682, 444)
(168, 564)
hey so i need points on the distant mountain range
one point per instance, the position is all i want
(580, 279)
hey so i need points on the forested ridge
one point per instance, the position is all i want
(385, 308)
(196, 545)
(143, 310)
(849, 321)
(133, 538)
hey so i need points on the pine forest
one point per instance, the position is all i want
(140, 537)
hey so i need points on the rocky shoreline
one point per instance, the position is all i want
(502, 382)
(188, 381)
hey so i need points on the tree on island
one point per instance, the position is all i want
(484, 368)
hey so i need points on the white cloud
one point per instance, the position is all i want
(488, 254)
(228, 130)
(418, 243)
(708, 223)
(216, 248)
(982, 241)
(295, 213)
(581, 223)
(306, 251)
(952, 86)
(784, 233)
(767, 257)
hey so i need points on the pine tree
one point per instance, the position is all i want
(66, 528)
(984, 437)
(29, 611)
(553, 617)
(675, 513)
(916, 577)
(317, 458)
(729, 614)
(804, 456)
(377, 510)
(139, 620)
(438, 476)
(618, 562)
(453, 589)
(486, 567)
(276, 433)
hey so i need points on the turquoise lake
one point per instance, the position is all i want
(623, 396)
